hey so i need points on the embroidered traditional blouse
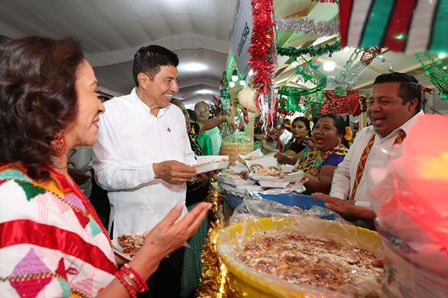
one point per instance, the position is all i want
(314, 159)
(52, 243)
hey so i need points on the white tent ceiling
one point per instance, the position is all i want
(112, 30)
(197, 30)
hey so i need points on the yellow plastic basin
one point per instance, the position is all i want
(245, 282)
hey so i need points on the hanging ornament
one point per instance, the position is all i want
(308, 26)
(309, 72)
(351, 71)
(262, 57)
(437, 71)
(348, 104)
(224, 100)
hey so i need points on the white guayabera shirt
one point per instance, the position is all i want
(130, 140)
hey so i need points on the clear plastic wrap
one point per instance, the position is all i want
(247, 282)
(253, 206)
(410, 198)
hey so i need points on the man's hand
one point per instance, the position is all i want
(231, 123)
(283, 158)
(173, 172)
(346, 208)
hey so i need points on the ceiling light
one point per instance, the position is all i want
(204, 91)
(251, 72)
(231, 84)
(442, 55)
(192, 67)
(346, 49)
(329, 66)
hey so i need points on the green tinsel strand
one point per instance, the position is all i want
(323, 50)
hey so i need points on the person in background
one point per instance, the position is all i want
(52, 243)
(301, 132)
(142, 156)
(197, 191)
(209, 126)
(394, 106)
(319, 160)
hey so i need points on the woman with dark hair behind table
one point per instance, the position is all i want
(320, 160)
(301, 133)
(52, 243)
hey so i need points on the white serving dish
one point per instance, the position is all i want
(287, 168)
(238, 168)
(259, 177)
(265, 161)
(236, 182)
(295, 176)
(252, 155)
(211, 163)
(273, 183)
(256, 188)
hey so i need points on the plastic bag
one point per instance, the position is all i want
(409, 197)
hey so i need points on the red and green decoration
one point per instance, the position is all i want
(262, 58)
(437, 71)
(293, 99)
(318, 51)
(225, 95)
(400, 25)
(348, 104)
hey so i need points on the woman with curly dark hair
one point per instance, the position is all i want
(52, 243)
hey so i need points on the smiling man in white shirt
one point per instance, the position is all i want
(142, 154)
(394, 106)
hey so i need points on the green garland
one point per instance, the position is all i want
(289, 100)
(436, 71)
(323, 50)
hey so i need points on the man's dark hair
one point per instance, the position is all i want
(409, 86)
(149, 60)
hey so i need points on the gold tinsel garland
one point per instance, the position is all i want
(213, 270)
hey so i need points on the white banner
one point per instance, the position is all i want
(241, 34)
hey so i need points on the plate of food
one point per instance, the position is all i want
(126, 246)
(273, 183)
(236, 179)
(252, 155)
(210, 163)
(259, 172)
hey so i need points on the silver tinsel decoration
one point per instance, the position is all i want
(308, 26)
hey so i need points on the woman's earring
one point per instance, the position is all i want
(59, 144)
